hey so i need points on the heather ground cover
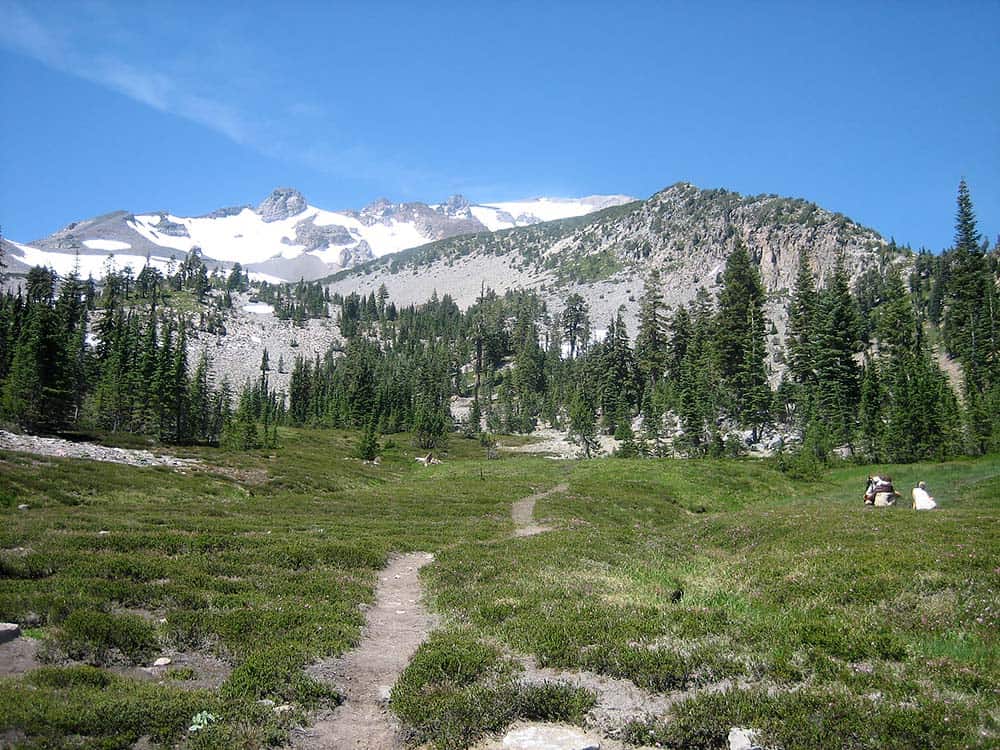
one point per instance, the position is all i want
(767, 602)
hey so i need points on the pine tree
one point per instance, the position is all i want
(966, 320)
(36, 393)
(837, 374)
(871, 417)
(583, 423)
(651, 351)
(896, 325)
(680, 336)
(741, 340)
(200, 417)
(368, 447)
(576, 324)
(802, 319)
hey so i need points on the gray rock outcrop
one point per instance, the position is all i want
(282, 203)
(456, 205)
(9, 631)
(172, 228)
(355, 255)
(314, 237)
(222, 213)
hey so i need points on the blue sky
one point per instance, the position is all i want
(872, 109)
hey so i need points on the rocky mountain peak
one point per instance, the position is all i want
(456, 204)
(378, 208)
(281, 204)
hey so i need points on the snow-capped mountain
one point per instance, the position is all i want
(284, 238)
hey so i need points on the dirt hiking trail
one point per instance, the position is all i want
(394, 627)
(523, 512)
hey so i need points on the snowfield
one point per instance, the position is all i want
(112, 245)
(247, 239)
(88, 265)
(243, 238)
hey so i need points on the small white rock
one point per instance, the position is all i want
(103, 532)
(549, 737)
(284, 708)
(265, 702)
(161, 662)
(742, 739)
(22, 506)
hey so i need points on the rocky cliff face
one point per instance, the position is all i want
(429, 222)
(688, 234)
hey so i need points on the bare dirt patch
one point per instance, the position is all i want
(190, 670)
(394, 627)
(19, 656)
(619, 701)
(523, 512)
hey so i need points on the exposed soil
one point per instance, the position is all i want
(394, 627)
(18, 656)
(619, 701)
(523, 512)
(209, 671)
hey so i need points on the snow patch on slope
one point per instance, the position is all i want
(89, 265)
(111, 245)
(243, 238)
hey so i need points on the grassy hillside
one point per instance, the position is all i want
(818, 621)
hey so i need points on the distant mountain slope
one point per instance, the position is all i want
(684, 232)
(283, 238)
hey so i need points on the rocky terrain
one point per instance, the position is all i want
(250, 329)
(59, 448)
(683, 232)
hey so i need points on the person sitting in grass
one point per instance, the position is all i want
(880, 492)
(922, 499)
(870, 489)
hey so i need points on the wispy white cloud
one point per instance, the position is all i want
(54, 47)
(97, 50)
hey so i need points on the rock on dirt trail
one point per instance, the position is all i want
(394, 627)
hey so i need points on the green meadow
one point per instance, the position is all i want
(778, 604)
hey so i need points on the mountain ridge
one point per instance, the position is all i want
(684, 232)
(284, 237)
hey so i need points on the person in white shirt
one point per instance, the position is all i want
(922, 499)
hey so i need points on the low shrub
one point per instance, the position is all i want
(100, 638)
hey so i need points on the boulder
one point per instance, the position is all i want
(742, 739)
(549, 737)
(9, 631)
